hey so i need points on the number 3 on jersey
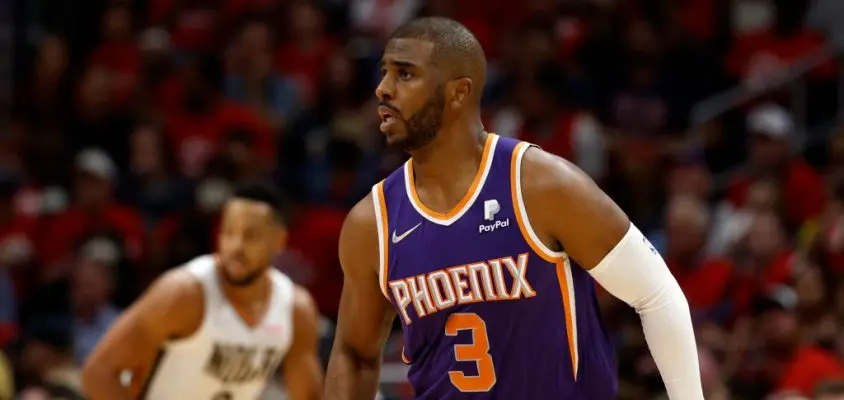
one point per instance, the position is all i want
(477, 352)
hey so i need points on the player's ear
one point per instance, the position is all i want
(459, 91)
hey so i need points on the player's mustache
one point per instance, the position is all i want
(392, 108)
(241, 258)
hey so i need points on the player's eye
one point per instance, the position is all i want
(404, 75)
(383, 72)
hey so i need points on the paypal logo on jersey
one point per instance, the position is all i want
(491, 207)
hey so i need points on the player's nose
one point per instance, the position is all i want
(385, 90)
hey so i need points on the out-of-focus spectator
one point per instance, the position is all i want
(193, 230)
(202, 116)
(118, 53)
(47, 361)
(792, 365)
(763, 261)
(537, 117)
(49, 94)
(152, 183)
(254, 82)
(381, 17)
(714, 387)
(17, 251)
(705, 281)
(94, 210)
(99, 121)
(763, 54)
(771, 128)
(91, 288)
(307, 49)
(191, 22)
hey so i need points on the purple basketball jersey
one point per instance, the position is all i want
(487, 310)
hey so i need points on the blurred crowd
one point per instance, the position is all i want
(132, 119)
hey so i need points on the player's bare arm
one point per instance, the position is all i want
(171, 308)
(301, 368)
(365, 315)
(569, 212)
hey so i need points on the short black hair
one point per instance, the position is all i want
(266, 193)
(456, 50)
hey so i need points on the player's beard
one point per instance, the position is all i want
(242, 280)
(424, 125)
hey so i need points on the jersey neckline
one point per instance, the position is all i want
(468, 199)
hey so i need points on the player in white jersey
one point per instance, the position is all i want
(216, 328)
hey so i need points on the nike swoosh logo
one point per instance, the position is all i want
(401, 237)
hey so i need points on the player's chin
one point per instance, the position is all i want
(239, 278)
(395, 137)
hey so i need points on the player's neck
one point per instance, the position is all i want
(256, 291)
(455, 151)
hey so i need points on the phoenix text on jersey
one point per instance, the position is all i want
(462, 284)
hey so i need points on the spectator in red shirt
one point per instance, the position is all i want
(119, 52)
(537, 117)
(175, 239)
(771, 128)
(199, 121)
(151, 184)
(93, 210)
(16, 247)
(760, 56)
(705, 281)
(308, 49)
(764, 260)
(253, 82)
(790, 364)
(192, 23)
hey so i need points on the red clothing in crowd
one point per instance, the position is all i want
(560, 140)
(809, 367)
(122, 60)
(196, 138)
(71, 226)
(705, 284)
(752, 284)
(305, 64)
(803, 191)
(763, 52)
(21, 230)
(315, 236)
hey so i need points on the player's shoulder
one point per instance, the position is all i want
(361, 222)
(179, 282)
(304, 306)
(547, 175)
(177, 290)
(362, 214)
(359, 236)
(305, 316)
(174, 304)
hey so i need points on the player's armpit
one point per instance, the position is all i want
(302, 371)
(365, 315)
(171, 308)
(567, 209)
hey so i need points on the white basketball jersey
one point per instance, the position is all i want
(225, 359)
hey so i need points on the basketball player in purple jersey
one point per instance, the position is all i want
(486, 249)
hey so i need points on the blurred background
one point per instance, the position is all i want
(716, 124)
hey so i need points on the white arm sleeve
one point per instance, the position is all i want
(634, 272)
